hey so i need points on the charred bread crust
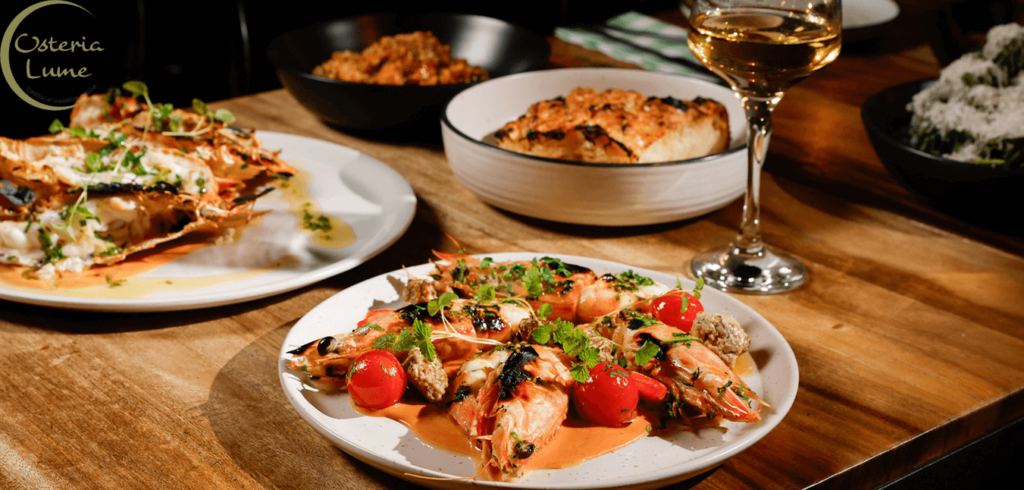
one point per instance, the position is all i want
(618, 126)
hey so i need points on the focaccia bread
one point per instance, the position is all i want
(618, 126)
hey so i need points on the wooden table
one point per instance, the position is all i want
(909, 333)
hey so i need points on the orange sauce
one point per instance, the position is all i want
(136, 264)
(574, 443)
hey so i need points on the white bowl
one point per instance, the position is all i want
(589, 193)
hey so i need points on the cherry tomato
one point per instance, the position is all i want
(608, 398)
(376, 380)
(668, 309)
(650, 389)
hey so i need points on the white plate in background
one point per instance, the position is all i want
(364, 192)
(858, 14)
(650, 462)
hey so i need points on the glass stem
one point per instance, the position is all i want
(759, 120)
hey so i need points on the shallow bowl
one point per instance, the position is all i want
(497, 46)
(588, 193)
(968, 190)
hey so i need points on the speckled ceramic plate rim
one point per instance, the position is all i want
(763, 336)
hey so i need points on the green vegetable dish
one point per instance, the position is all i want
(975, 112)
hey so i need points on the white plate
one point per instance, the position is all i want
(367, 194)
(648, 463)
(858, 14)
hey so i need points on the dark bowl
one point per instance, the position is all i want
(971, 191)
(497, 46)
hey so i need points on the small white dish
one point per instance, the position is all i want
(858, 14)
(373, 199)
(651, 462)
(588, 193)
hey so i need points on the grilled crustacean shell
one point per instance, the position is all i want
(61, 211)
(235, 157)
(112, 222)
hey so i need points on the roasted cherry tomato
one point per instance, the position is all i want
(668, 309)
(376, 380)
(608, 398)
(650, 389)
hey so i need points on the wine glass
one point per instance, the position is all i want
(761, 47)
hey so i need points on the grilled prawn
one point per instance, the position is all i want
(458, 333)
(521, 407)
(693, 373)
(575, 293)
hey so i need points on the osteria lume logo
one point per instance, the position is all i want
(35, 45)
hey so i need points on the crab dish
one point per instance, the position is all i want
(124, 176)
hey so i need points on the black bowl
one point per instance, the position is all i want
(497, 46)
(971, 191)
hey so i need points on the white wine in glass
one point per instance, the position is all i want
(762, 48)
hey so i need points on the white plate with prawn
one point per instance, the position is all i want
(367, 204)
(666, 457)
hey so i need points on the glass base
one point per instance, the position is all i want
(764, 272)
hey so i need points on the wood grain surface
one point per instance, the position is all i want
(909, 333)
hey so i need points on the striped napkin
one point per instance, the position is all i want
(665, 39)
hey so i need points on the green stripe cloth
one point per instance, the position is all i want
(636, 21)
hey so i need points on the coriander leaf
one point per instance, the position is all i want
(562, 330)
(175, 121)
(580, 373)
(201, 108)
(542, 334)
(698, 287)
(544, 310)
(559, 266)
(225, 116)
(93, 163)
(575, 343)
(427, 349)
(56, 126)
(385, 342)
(590, 356)
(421, 330)
(679, 284)
(485, 294)
(646, 352)
(486, 263)
(406, 341)
(442, 302)
(136, 87)
(534, 282)
(374, 326)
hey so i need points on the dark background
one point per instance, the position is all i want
(215, 49)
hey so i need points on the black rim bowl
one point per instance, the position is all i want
(958, 188)
(497, 46)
